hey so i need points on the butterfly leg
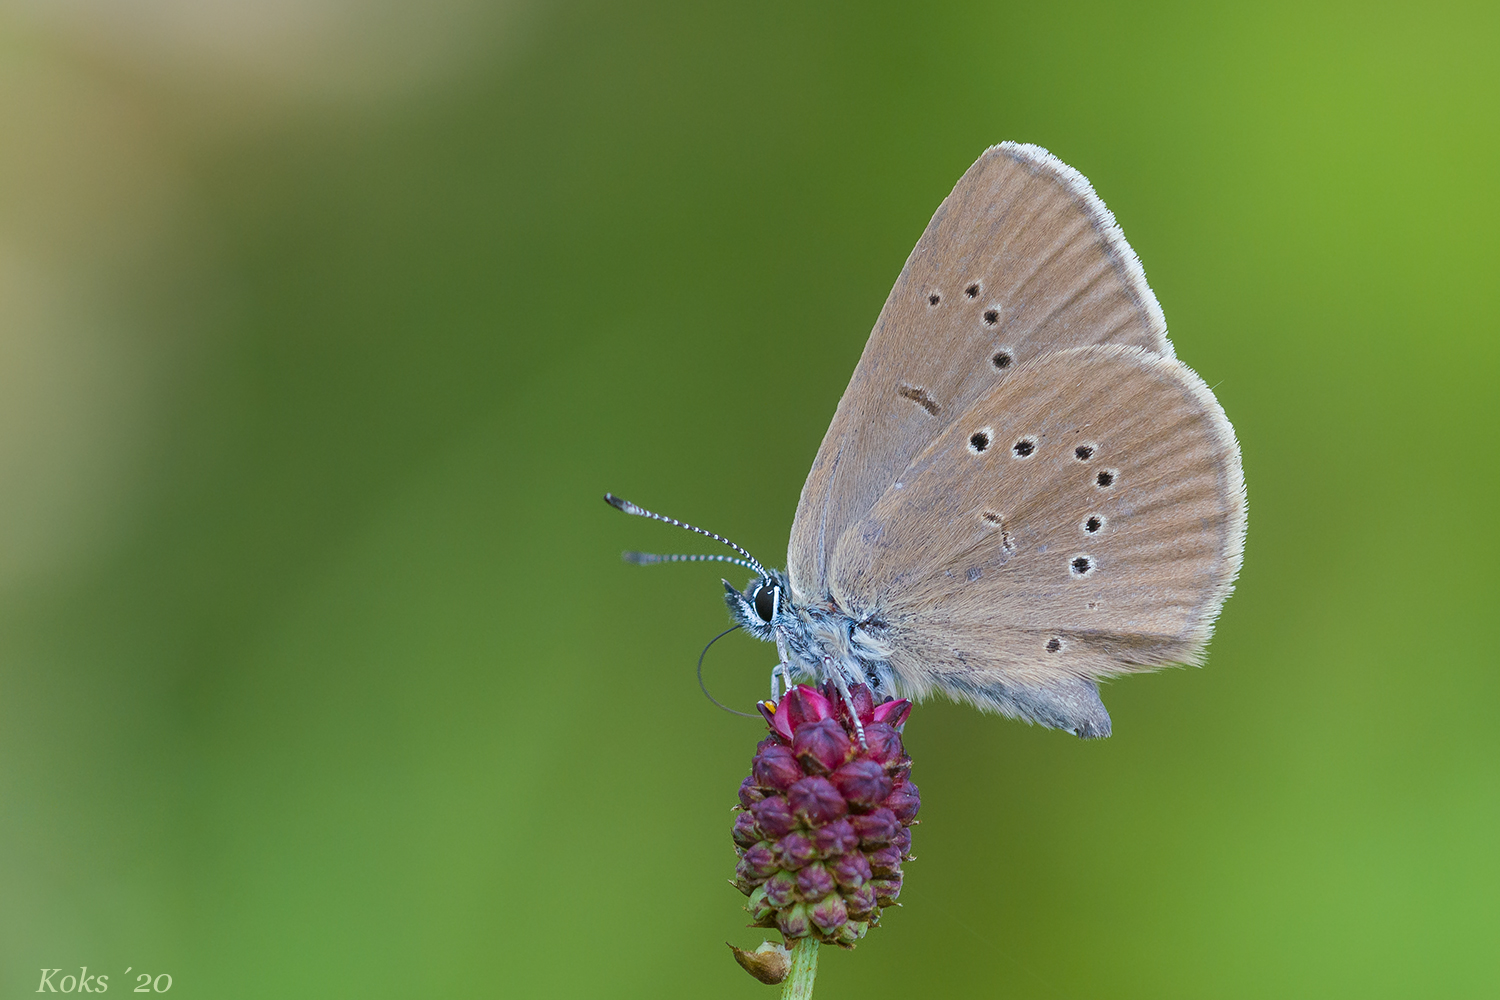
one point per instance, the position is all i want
(783, 667)
(843, 686)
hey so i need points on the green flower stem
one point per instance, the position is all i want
(798, 984)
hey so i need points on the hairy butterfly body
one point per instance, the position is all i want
(1022, 491)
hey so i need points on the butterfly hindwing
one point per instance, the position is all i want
(1020, 260)
(1081, 519)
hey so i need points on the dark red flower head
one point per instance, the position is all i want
(824, 826)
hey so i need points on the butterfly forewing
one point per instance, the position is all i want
(1020, 260)
(1082, 518)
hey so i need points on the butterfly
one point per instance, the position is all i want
(1023, 492)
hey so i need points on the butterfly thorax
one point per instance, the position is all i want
(819, 640)
(827, 643)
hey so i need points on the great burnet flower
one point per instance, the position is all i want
(824, 822)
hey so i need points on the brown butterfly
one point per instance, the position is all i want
(1023, 491)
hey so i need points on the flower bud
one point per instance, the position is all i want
(885, 861)
(759, 862)
(887, 890)
(824, 826)
(760, 909)
(829, 913)
(804, 705)
(863, 783)
(781, 889)
(750, 793)
(793, 921)
(874, 828)
(814, 882)
(773, 816)
(821, 746)
(904, 801)
(746, 833)
(815, 801)
(864, 704)
(851, 870)
(862, 902)
(778, 717)
(794, 850)
(851, 932)
(775, 767)
(893, 713)
(884, 744)
(835, 838)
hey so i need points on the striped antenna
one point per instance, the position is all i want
(652, 558)
(630, 508)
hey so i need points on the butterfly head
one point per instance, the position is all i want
(762, 605)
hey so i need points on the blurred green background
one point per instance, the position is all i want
(324, 326)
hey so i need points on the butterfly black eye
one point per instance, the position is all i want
(765, 602)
